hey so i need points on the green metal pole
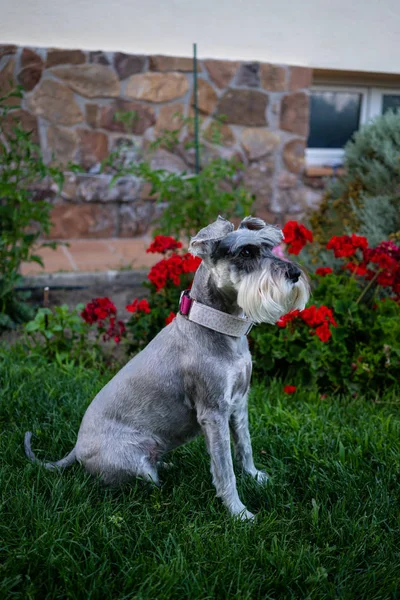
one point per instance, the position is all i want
(196, 111)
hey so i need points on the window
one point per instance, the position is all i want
(336, 112)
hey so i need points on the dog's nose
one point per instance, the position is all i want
(293, 273)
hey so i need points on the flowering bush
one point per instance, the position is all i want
(103, 313)
(296, 236)
(166, 279)
(349, 338)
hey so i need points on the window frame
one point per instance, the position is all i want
(333, 157)
(376, 99)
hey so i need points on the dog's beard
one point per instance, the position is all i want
(267, 297)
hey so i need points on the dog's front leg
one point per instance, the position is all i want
(216, 432)
(239, 423)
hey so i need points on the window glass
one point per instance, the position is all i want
(334, 117)
(390, 101)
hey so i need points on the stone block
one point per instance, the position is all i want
(249, 75)
(135, 219)
(293, 155)
(143, 117)
(7, 83)
(71, 221)
(259, 142)
(128, 64)
(23, 118)
(55, 102)
(156, 87)
(273, 78)
(221, 72)
(243, 107)
(62, 144)
(93, 147)
(91, 81)
(172, 63)
(31, 69)
(295, 113)
(58, 56)
(300, 78)
(206, 97)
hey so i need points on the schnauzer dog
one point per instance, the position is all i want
(194, 375)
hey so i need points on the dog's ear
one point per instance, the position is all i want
(202, 243)
(252, 223)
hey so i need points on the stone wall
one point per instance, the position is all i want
(71, 98)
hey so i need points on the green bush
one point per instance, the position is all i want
(367, 198)
(362, 354)
(23, 217)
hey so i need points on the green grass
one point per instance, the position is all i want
(328, 526)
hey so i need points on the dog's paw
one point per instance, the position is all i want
(245, 515)
(261, 477)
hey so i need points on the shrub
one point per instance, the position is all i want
(349, 339)
(23, 217)
(166, 279)
(367, 198)
(73, 337)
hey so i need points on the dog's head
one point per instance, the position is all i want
(242, 264)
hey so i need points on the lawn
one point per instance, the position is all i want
(328, 525)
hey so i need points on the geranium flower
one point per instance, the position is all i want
(289, 389)
(346, 245)
(323, 271)
(139, 306)
(162, 244)
(296, 236)
(97, 310)
(360, 269)
(317, 318)
(283, 321)
(170, 318)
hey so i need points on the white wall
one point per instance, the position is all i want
(341, 34)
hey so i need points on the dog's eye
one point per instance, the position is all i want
(248, 252)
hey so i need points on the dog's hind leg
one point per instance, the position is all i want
(118, 461)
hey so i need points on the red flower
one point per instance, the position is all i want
(162, 243)
(309, 316)
(296, 236)
(318, 319)
(323, 332)
(190, 263)
(115, 330)
(289, 389)
(139, 306)
(323, 271)
(283, 321)
(170, 318)
(172, 268)
(360, 269)
(345, 245)
(98, 310)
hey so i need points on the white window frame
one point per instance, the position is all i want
(376, 99)
(331, 157)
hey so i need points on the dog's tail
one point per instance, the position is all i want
(67, 461)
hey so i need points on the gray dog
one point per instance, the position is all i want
(194, 375)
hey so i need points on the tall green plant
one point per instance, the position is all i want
(366, 199)
(192, 200)
(23, 217)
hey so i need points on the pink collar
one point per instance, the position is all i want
(212, 318)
